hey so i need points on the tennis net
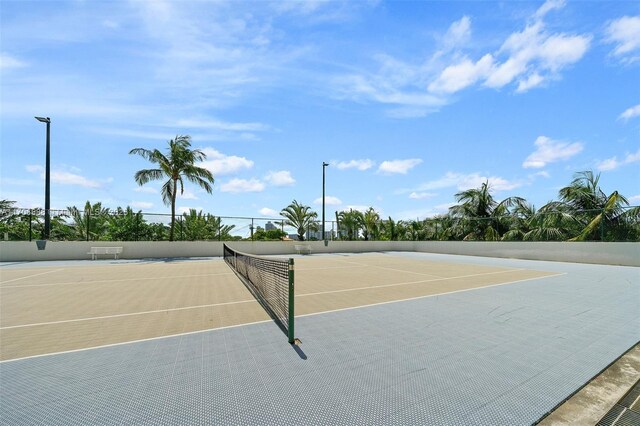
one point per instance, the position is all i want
(270, 280)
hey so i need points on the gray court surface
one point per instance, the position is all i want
(502, 355)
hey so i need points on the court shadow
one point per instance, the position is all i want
(299, 351)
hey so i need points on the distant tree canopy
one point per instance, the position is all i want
(582, 212)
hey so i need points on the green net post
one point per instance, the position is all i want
(290, 330)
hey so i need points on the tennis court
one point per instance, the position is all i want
(406, 338)
(55, 309)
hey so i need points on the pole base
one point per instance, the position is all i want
(41, 244)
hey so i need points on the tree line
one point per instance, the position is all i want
(583, 211)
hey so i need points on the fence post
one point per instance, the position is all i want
(88, 220)
(602, 225)
(30, 224)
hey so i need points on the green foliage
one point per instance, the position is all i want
(300, 217)
(89, 224)
(583, 212)
(270, 235)
(349, 224)
(199, 226)
(177, 164)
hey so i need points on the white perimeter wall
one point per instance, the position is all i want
(581, 252)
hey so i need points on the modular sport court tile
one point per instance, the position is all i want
(387, 338)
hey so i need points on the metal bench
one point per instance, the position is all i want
(303, 248)
(95, 251)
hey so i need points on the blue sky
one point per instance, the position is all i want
(410, 101)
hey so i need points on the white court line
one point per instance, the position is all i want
(126, 315)
(269, 320)
(29, 276)
(113, 281)
(135, 341)
(239, 302)
(406, 283)
(434, 295)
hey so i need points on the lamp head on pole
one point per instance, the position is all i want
(44, 119)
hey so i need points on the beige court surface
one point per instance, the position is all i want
(55, 309)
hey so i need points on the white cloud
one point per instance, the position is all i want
(613, 162)
(548, 6)
(34, 168)
(463, 74)
(187, 195)
(267, 212)
(542, 173)
(535, 56)
(395, 83)
(630, 113)
(364, 164)
(549, 151)
(281, 178)
(8, 62)
(398, 166)
(242, 185)
(634, 199)
(141, 205)
(146, 189)
(529, 58)
(186, 209)
(209, 123)
(625, 33)
(423, 213)
(496, 183)
(458, 33)
(421, 195)
(608, 164)
(66, 178)
(328, 200)
(360, 208)
(533, 80)
(220, 164)
(463, 181)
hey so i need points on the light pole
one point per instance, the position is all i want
(324, 237)
(47, 180)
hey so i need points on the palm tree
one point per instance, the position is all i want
(126, 225)
(593, 209)
(199, 226)
(482, 217)
(370, 224)
(350, 222)
(178, 163)
(300, 217)
(390, 229)
(91, 222)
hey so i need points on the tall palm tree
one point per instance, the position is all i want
(370, 224)
(350, 222)
(178, 163)
(482, 216)
(91, 222)
(300, 217)
(390, 229)
(593, 209)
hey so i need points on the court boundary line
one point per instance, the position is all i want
(112, 281)
(270, 320)
(29, 276)
(412, 282)
(184, 308)
(435, 295)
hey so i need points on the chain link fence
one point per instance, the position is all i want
(17, 224)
